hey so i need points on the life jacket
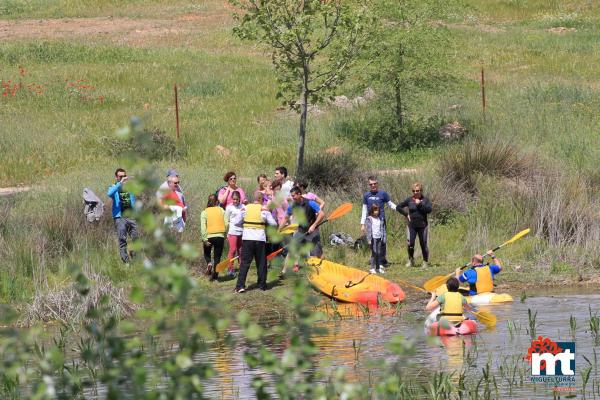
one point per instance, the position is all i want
(452, 309)
(215, 222)
(309, 213)
(485, 281)
(253, 218)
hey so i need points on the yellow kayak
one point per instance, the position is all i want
(350, 284)
(482, 299)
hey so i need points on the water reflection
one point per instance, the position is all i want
(356, 340)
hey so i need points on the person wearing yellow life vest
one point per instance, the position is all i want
(479, 276)
(254, 239)
(452, 303)
(212, 229)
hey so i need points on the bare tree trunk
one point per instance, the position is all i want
(303, 115)
(398, 95)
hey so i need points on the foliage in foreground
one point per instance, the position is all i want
(168, 357)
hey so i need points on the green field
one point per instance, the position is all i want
(82, 69)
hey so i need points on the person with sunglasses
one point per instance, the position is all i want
(122, 201)
(174, 201)
(225, 194)
(381, 198)
(415, 209)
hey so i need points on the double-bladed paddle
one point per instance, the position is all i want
(439, 280)
(289, 229)
(486, 318)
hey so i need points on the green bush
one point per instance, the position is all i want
(339, 172)
(152, 144)
(498, 158)
(378, 130)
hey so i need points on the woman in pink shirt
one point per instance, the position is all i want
(225, 195)
(309, 195)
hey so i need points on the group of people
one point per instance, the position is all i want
(230, 215)
(479, 277)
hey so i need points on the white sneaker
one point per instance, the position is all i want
(381, 269)
(373, 271)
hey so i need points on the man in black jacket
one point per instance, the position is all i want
(418, 207)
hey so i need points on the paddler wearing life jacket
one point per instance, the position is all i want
(452, 303)
(480, 276)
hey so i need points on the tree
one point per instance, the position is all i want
(313, 44)
(409, 53)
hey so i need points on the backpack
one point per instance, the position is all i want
(93, 208)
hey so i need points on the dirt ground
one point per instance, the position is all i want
(128, 31)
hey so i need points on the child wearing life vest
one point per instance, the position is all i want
(375, 232)
(212, 228)
(451, 303)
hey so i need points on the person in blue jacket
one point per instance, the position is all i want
(121, 202)
(480, 276)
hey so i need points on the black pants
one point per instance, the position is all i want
(376, 253)
(216, 248)
(253, 249)
(412, 234)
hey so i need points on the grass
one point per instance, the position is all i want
(542, 92)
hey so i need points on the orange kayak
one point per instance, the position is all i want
(467, 327)
(352, 285)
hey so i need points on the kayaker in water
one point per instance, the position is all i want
(480, 276)
(417, 207)
(452, 303)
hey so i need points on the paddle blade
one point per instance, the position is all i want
(288, 230)
(516, 237)
(340, 211)
(274, 254)
(435, 282)
(222, 266)
(486, 318)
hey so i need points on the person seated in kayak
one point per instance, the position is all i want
(480, 276)
(452, 303)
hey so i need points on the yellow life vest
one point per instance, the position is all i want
(215, 220)
(253, 218)
(452, 308)
(485, 282)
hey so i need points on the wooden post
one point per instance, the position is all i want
(176, 110)
(483, 92)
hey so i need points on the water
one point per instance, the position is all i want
(359, 344)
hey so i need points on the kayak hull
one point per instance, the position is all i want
(482, 299)
(467, 327)
(352, 285)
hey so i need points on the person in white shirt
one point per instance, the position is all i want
(281, 174)
(375, 232)
(381, 198)
(254, 238)
(235, 217)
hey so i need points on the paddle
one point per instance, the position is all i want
(486, 318)
(439, 280)
(335, 214)
(287, 230)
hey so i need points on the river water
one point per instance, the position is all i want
(358, 343)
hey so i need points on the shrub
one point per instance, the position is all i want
(152, 144)
(380, 131)
(331, 171)
(497, 158)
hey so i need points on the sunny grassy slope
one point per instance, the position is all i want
(542, 91)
